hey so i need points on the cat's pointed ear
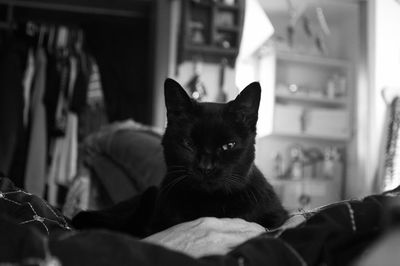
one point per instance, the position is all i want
(249, 98)
(177, 101)
(247, 102)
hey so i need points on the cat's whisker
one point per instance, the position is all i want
(173, 183)
(228, 188)
(176, 171)
(237, 178)
(170, 188)
(237, 175)
(223, 209)
(234, 180)
(164, 188)
(176, 167)
(254, 196)
(173, 170)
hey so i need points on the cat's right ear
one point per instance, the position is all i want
(177, 101)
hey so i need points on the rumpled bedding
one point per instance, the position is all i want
(117, 162)
(34, 233)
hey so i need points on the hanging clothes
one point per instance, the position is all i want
(71, 138)
(93, 117)
(12, 61)
(27, 84)
(65, 155)
(56, 79)
(78, 101)
(37, 151)
(43, 93)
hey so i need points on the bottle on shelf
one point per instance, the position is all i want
(296, 167)
(279, 167)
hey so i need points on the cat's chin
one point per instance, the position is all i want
(217, 184)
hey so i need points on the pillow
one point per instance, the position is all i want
(126, 158)
(27, 209)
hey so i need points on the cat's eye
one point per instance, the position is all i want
(228, 146)
(187, 143)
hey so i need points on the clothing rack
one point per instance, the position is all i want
(76, 8)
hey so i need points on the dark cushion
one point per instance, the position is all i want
(126, 159)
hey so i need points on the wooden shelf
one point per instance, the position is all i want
(311, 100)
(227, 7)
(215, 33)
(227, 28)
(311, 59)
(221, 6)
(129, 9)
(209, 49)
(201, 3)
(302, 180)
(306, 136)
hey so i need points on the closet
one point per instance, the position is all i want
(62, 51)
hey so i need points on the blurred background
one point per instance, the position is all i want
(81, 92)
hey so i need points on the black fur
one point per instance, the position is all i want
(202, 178)
(209, 152)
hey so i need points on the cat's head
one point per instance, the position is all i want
(210, 145)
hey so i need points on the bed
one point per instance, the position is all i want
(34, 233)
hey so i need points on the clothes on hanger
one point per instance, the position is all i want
(36, 166)
(42, 96)
(65, 155)
(27, 84)
(93, 117)
(12, 61)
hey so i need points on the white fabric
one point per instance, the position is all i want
(63, 167)
(37, 149)
(27, 84)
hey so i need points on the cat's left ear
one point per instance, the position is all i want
(177, 101)
(247, 103)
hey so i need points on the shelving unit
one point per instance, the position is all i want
(317, 138)
(309, 91)
(312, 59)
(310, 113)
(294, 70)
(211, 30)
(311, 100)
(317, 192)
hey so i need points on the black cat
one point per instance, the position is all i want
(209, 152)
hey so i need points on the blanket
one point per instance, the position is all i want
(34, 233)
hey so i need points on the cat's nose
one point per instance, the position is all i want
(206, 171)
(206, 166)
